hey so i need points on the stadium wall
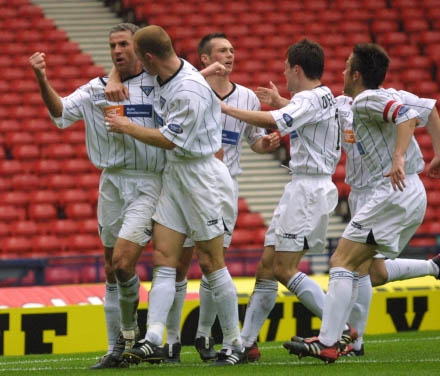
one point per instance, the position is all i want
(37, 320)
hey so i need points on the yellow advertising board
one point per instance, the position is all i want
(398, 306)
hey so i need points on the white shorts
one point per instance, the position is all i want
(195, 198)
(301, 219)
(126, 203)
(357, 198)
(389, 218)
(230, 213)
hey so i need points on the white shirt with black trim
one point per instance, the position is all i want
(315, 140)
(356, 172)
(113, 150)
(234, 130)
(376, 116)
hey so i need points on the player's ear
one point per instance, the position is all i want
(204, 58)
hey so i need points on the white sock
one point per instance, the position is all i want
(308, 292)
(399, 269)
(175, 313)
(258, 309)
(128, 302)
(161, 299)
(112, 314)
(354, 296)
(225, 298)
(208, 309)
(359, 314)
(336, 304)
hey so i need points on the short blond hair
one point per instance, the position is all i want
(155, 40)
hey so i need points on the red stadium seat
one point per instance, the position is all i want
(25, 182)
(384, 26)
(88, 226)
(69, 196)
(43, 196)
(250, 220)
(9, 213)
(74, 137)
(241, 237)
(86, 181)
(58, 275)
(10, 167)
(38, 125)
(15, 198)
(47, 166)
(46, 138)
(5, 230)
(46, 244)
(77, 166)
(18, 138)
(26, 152)
(16, 245)
(79, 210)
(63, 227)
(24, 228)
(59, 151)
(243, 207)
(42, 212)
(393, 38)
(84, 243)
(415, 75)
(60, 181)
(415, 25)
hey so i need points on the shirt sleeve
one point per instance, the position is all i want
(423, 106)
(72, 108)
(384, 109)
(297, 113)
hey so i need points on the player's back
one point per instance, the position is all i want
(189, 112)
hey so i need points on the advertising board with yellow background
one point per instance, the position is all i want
(56, 319)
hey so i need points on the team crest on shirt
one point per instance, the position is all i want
(288, 119)
(293, 135)
(176, 128)
(162, 102)
(147, 90)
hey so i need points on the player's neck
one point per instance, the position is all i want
(169, 67)
(357, 90)
(220, 84)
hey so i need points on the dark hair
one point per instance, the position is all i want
(372, 62)
(125, 26)
(309, 56)
(204, 47)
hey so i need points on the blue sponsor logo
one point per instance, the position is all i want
(147, 90)
(288, 119)
(176, 128)
(162, 102)
(360, 148)
(138, 110)
(293, 135)
(403, 110)
(230, 137)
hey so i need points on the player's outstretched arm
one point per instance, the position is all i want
(405, 132)
(50, 97)
(115, 91)
(267, 143)
(261, 119)
(150, 136)
(433, 127)
(271, 96)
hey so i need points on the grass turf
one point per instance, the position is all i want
(415, 353)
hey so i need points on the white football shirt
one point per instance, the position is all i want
(356, 172)
(315, 140)
(376, 115)
(234, 130)
(106, 149)
(188, 112)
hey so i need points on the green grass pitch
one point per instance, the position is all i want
(407, 353)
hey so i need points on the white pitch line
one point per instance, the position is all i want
(202, 365)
